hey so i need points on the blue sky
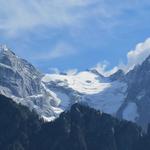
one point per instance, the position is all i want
(68, 34)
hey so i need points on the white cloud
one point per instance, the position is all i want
(26, 15)
(72, 72)
(54, 70)
(138, 55)
(134, 57)
(61, 49)
(19, 15)
(102, 69)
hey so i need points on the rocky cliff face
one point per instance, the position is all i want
(17, 77)
(21, 81)
(138, 91)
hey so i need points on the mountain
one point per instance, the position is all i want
(17, 76)
(124, 96)
(80, 128)
(21, 81)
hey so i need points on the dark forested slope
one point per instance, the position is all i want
(17, 125)
(81, 128)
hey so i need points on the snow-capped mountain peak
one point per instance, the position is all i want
(17, 75)
(121, 95)
(4, 50)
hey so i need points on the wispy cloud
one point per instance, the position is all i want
(61, 49)
(21, 15)
(134, 57)
(71, 71)
(138, 55)
(77, 20)
(25, 15)
(54, 70)
(102, 68)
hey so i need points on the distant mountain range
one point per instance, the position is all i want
(123, 95)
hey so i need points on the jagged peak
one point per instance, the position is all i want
(5, 50)
(119, 71)
(4, 47)
(9, 58)
(95, 71)
(118, 75)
